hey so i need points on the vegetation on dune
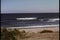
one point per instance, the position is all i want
(46, 31)
(12, 35)
(7, 35)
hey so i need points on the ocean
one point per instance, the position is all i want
(27, 19)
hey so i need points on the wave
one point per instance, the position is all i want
(35, 22)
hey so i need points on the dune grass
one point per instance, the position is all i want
(15, 34)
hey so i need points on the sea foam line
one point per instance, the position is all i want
(35, 26)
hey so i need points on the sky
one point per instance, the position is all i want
(29, 6)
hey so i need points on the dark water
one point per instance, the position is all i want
(9, 20)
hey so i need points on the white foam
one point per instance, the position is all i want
(53, 20)
(26, 18)
(36, 26)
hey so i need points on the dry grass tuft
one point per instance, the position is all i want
(46, 31)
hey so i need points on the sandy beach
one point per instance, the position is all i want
(39, 29)
(34, 33)
(35, 29)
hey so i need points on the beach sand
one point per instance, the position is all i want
(36, 29)
(33, 33)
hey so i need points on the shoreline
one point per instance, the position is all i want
(38, 26)
(36, 29)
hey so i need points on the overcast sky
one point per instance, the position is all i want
(29, 6)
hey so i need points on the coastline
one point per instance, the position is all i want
(36, 29)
